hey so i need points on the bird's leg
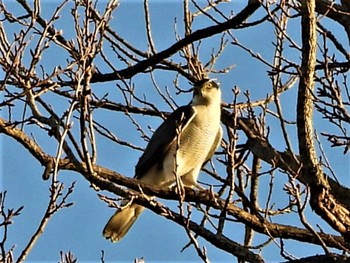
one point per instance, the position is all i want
(189, 180)
(173, 187)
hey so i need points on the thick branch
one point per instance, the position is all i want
(331, 258)
(219, 241)
(305, 99)
(110, 180)
(24, 140)
(321, 200)
(150, 62)
(284, 160)
(195, 36)
(337, 12)
(105, 177)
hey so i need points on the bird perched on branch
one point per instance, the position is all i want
(181, 145)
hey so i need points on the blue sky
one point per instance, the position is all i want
(78, 228)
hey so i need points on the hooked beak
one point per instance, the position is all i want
(215, 80)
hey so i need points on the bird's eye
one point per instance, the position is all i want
(208, 86)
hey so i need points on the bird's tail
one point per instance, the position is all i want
(120, 223)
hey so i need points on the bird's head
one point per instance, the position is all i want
(206, 92)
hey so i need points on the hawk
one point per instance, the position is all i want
(181, 145)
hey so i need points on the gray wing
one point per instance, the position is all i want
(163, 138)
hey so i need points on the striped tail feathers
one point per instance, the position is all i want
(120, 223)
